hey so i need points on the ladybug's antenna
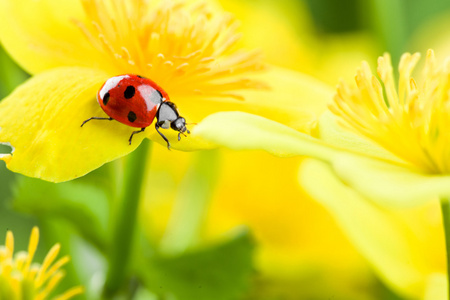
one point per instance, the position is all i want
(179, 134)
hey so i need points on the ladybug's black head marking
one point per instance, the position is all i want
(106, 98)
(129, 92)
(160, 94)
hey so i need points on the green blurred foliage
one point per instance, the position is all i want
(219, 272)
(331, 16)
(80, 202)
(11, 75)
(391, 22)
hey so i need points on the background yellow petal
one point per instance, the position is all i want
(243, 131)
(333, 133)
(388, 184)
(42, 117)
(41, 35)
(292, 98)
(286, 22)
(395, 246)
(436, 287)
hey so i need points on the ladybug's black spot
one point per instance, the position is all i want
(129, 92)
(131, 116)
(106, 98)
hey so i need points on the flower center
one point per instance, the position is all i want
(188, 49)
(412, 122)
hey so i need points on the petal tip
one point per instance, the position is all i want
(6, 158)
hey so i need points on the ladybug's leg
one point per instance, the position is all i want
(182, 133)
(133, 133)
(162, 135)
(95, 118)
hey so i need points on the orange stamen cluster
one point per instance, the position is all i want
(187, 48)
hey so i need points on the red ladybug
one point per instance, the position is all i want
(135, 101)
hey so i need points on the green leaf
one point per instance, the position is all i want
(219, 272)
(79, 202)
(11, 75)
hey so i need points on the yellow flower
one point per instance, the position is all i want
(189, 48)
(381, 145)
(20, 279)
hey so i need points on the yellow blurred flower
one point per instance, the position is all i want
(21, 279)
(385, 145)
(298, 44)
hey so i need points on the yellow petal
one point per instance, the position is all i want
(329, 131)
(41, 35)
(243, 131)
(42, 117)
(388, 243)
(436, 287)
(390, 184)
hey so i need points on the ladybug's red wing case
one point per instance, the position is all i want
(131, 99)
(135, 101)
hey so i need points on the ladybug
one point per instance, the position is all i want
(135, 101)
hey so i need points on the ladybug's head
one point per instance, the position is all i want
(168, 117)
(179, 125)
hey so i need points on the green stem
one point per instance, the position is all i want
(445, 208)
(388, 17)
(191, 204)
(126, 217)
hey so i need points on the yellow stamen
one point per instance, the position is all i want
(48, 260)
(50, 286)
(9, 243)
(187, 48)
(410, 121)
(71, 293)
(20, 276)
(32, 246)
(46, 275)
